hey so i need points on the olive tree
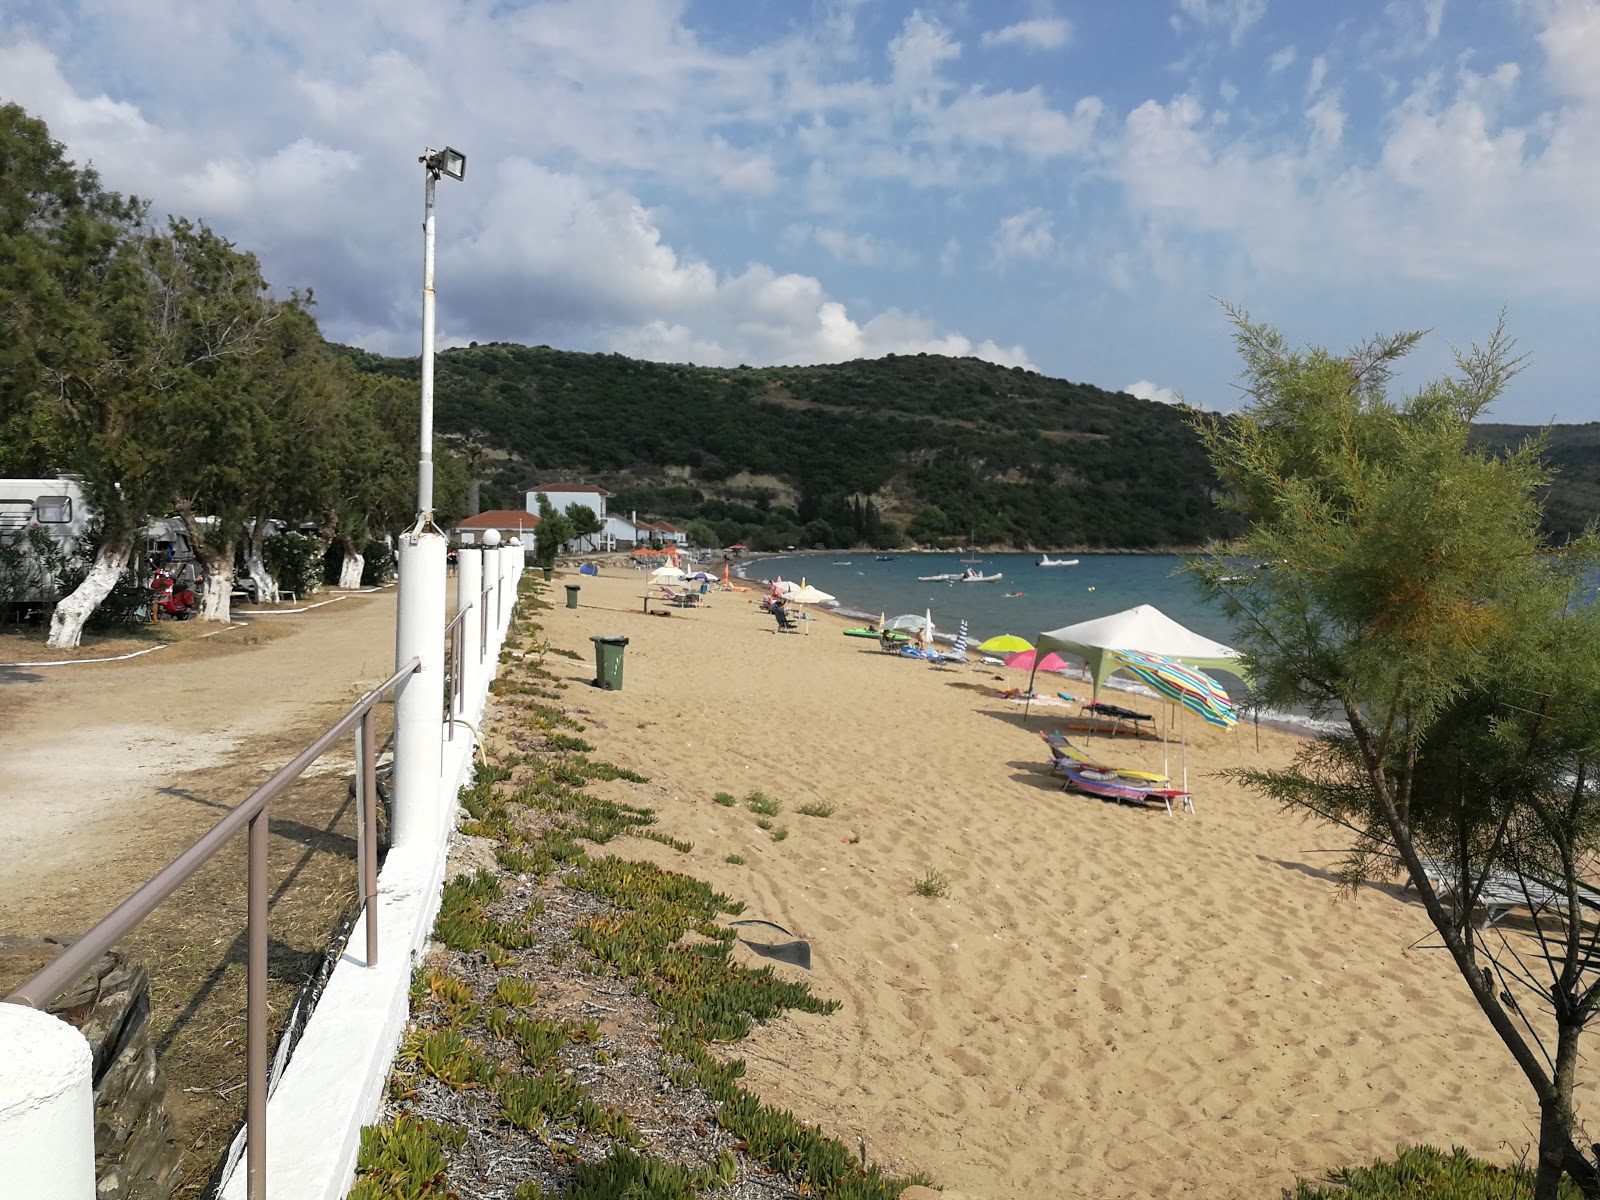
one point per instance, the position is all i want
(1408, 597)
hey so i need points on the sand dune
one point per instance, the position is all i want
(1108, 1002)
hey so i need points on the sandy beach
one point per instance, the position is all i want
(1109, 1001)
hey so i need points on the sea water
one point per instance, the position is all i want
(1026, 601)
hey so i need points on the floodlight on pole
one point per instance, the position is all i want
(417, 814)
(453, 163)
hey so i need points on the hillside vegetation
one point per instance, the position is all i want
(918, 447)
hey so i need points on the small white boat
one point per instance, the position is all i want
(1046, 561)
(939, 578)
(971, 576)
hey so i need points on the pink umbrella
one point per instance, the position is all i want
(1024, 660)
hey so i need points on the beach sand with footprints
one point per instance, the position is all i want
(1108, 1001)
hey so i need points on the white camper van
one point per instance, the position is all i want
(55, 507)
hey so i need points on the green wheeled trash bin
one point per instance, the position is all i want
(608, 662)
(549, 573)
(572, 595)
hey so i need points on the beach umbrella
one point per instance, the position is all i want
(925, 634)
(738, 546)
(784, 587)
(1029, 660)
(1191, 690)
(808, 595)
(904, 623)
(1195, 691)
(1006, 643)
(665, 575)
(706, 576)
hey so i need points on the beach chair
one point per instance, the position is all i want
(1117, 714)
(1108, 785)
(785, 623)
(1503, 890)
(1064, 753)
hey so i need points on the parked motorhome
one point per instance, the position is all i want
(59, 509)
(56, 508)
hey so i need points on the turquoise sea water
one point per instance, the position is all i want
(1051, 597)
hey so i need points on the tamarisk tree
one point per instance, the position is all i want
(1410, 599)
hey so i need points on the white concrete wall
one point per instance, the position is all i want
(46, 1108)
(334, 1082)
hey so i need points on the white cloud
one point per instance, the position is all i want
(1235, 16)
(1146, 390)
(1022, 236)
(1315, 76)
(1281, 60)
(1041, 33)
(1571, 43)
(918, 50)
(860, 249)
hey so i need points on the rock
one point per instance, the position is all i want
(469, 854)
(851, 837)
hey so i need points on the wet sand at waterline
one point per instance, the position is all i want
(1108, 1001)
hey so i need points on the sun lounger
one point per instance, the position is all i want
(1064, 753)
(785, 625)
(1108, 785)
(1503, 890)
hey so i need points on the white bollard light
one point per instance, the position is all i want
(469, 583)
(419, 700)
(46, 1107)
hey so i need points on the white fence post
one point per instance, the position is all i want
(46, 1107)
(469, 585)
(419, 700)
(491, 580)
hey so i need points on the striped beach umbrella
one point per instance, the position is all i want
(1197, 692)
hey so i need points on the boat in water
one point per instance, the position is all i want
(1046, 561)
(887, 557)
(971, 576)
(950, 577)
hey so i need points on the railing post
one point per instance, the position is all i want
(469, 585)
(368, 733)
(46, 1107)
(419, 700)
(256, 1010)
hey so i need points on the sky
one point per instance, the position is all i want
(1071, 187)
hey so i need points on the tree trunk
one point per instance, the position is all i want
(255, 567)
(1558, 1155)
(216, 600)
(350, 570)
(66, 622)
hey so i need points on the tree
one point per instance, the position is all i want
(74, 346)
(555, 531)
(585, 523)
(702, 534)
(1410, 597)
(929, 524)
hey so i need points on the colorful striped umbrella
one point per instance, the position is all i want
(1198, 693)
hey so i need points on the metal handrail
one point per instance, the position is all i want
(455, 698)
(44, 986)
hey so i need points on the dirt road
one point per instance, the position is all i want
(108, 770)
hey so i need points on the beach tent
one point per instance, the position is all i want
(1144, 628)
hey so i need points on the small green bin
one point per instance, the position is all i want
(572, 595)
(549, 573)
(608, 662)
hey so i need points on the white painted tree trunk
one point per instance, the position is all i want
(66, 622)
(216, 599)
(256, 567)
(350, 570)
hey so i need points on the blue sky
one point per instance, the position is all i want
(1069, 186)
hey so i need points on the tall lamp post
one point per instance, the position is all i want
(420, 623)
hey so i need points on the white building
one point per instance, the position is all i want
(562, 496)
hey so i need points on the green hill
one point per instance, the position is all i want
(1574, 452)
(857, 452)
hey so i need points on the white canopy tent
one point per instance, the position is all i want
(1144, 628)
